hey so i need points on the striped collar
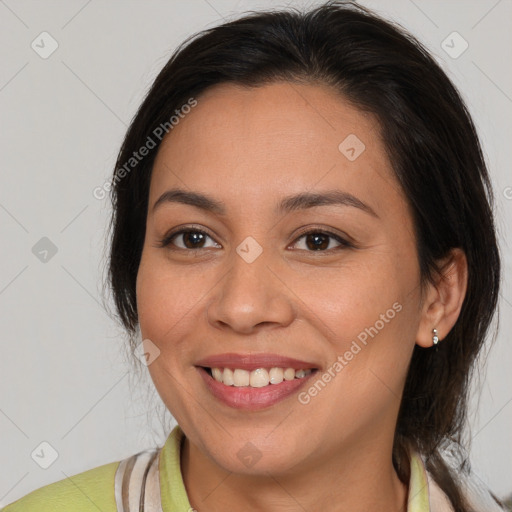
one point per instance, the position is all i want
(151, 481)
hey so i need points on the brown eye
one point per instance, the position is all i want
(187, 239)
(317, 241)
(193, 239)
(322, 241)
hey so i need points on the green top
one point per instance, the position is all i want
(101, 488)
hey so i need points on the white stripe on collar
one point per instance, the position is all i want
(137, 483)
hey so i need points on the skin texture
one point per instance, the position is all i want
(249, 148)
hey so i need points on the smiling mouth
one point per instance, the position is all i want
(258, 378)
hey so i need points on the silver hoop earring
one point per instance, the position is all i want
(435, 337)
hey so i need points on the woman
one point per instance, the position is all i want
(303, 233)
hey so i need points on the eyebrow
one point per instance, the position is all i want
(296, 202)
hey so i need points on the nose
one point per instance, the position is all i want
(251, 297)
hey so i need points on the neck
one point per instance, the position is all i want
(365, 479)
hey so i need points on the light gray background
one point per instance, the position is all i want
(63, 376)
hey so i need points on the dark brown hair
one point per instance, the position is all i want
(432, 145)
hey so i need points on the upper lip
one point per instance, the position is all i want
(253, 361)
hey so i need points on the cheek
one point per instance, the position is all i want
(364, 312)
(368, 356)
(167, 305)
(163, 297)
(351, 297)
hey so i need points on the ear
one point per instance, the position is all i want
(443, 300)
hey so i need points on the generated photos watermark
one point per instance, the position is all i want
(343, 360)
(151, 143)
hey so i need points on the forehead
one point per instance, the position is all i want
(262, 141)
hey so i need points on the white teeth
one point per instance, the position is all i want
(289, 374)
(258, 378)
(240, 377)
(276, 375)
(227, 378)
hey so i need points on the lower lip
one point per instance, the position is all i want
(252, 399)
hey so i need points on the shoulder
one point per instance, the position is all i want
(479, 498)
(91, 490)
(425, 493)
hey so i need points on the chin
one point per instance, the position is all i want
(257, 457)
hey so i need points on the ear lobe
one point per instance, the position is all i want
(444, 299)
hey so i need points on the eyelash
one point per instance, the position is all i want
(344, 244)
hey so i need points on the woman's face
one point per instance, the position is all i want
(246, 278)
